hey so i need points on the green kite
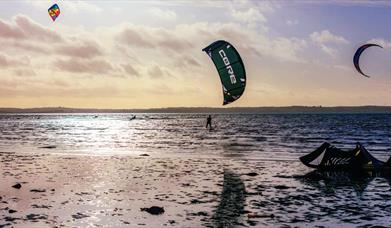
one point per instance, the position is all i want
(230, 67)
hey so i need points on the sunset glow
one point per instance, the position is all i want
(144, 54)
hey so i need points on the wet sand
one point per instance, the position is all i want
(111, 191)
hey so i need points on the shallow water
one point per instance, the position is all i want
(243, 173)
(273, 137)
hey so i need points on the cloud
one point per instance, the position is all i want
(143, 55)
(74, 6)
(24, 72)
(156, 72)
(381, 42)
(9, 31)
(326, 36)
(287, 48)
(32, 29)
(84, 66)
(65, 57)
(129, 70)
(367, 3)
(328, 50)
(151, 38)
(163, 14)
(175, 48)
(262, 6)
(84, 49)
(251, 15)
(187, 62)
(23, 28)
(133, 36)
(190, 38)
(81, 6)
(27, 46)
(292, 22)
(168, 41)
(6, 61)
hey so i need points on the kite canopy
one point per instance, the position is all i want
(328, 157)
(356, 58)
(54, 12)
(230, 67)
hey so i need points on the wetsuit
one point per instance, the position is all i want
(209, 122)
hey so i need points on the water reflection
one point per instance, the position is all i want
(232, 201)
(330, 181)
(277, 137)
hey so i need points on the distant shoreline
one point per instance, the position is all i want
(244, 110)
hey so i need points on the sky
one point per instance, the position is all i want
(148, 54)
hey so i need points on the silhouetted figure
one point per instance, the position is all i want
(209, 122)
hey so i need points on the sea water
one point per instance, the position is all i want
(245, 171)
(258, 136)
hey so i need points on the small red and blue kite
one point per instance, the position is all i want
(54, 12)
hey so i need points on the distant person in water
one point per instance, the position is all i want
(209, 122)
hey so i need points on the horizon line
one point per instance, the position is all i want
(260, 109)
(195, 107)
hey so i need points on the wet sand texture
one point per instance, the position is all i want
(64, 191)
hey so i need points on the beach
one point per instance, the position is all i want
(164, 170)
(110, 191)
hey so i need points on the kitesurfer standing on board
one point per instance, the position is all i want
(209, 122)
